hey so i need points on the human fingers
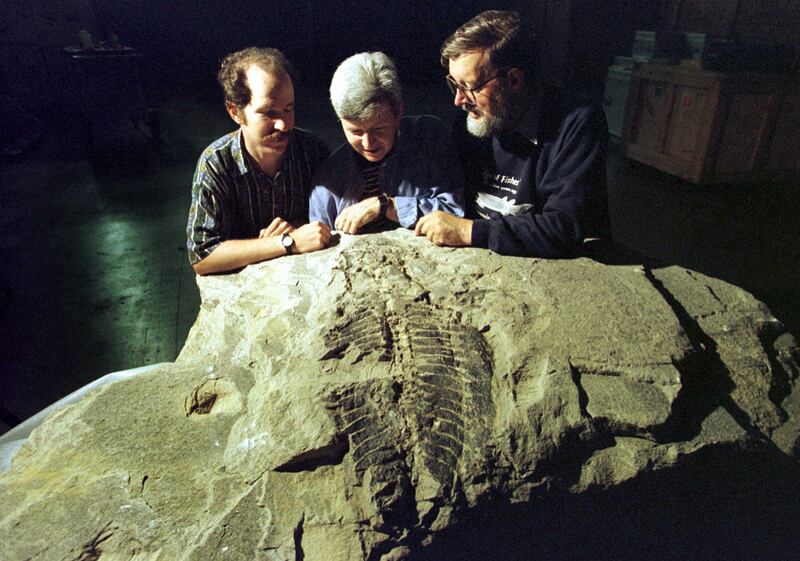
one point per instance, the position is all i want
(344, 222)
(282, 228)
(270, 230)
(311, 237)
(273, 226)
(324, 236)
(437, 230)
(322, 233)
(314, 227)
(349, 227)
(424, 225)
(322, 226)
(262, 233)
(343, 219)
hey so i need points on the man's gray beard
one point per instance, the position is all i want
(488, 125)
(485, 126)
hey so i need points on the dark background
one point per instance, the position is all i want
(95, 279)
(183, 40)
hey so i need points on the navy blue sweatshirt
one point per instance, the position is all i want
(539, 193)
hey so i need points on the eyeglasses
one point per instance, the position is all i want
(470, 93)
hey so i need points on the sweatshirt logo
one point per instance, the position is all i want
(499, 196)
(501, 182)
(502, 205)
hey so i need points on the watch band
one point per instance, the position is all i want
(384, 201)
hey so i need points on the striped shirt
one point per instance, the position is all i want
(371, 186)
(233, 199)
(371, 173)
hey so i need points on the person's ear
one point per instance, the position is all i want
(234, 112)
(400, 109)
(515, 78)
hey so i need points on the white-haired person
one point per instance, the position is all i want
(393, 169)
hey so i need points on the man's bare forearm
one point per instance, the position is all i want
(234, 254)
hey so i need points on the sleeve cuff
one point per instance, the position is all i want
(407, 212)
(480, 233)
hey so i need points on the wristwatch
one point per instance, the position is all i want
(384, 201)
(288, 243)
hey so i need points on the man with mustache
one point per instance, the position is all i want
(251, 187)
(533, 159)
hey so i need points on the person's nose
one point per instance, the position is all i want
(281, 125)
(368, 141)
(460, 99)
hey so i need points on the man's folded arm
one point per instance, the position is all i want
(235, 254)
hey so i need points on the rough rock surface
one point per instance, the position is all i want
(355, 403)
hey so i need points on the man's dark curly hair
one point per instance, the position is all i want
(232, 75)
(510, 41)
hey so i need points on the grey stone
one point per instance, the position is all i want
(357, 402)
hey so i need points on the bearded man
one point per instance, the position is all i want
(533, 158)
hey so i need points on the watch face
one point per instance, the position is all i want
(287, 240)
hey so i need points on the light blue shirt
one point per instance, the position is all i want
(422, 174)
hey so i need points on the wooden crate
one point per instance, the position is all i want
(711, 127)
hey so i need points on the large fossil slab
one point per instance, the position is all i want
(360, 402)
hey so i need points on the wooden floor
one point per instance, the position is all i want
(95, 276)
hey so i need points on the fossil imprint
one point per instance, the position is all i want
(430, 415)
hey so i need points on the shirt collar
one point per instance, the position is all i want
(237, 151)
